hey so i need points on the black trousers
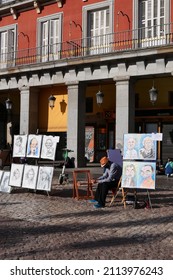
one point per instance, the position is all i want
(102, 191)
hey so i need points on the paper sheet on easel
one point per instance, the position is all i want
(157, 136)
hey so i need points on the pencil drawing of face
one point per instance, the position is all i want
(4, 187)
(48, 147)
(30, 176)
(16, 174)
(19, 147)
(48, 144)
(33, 147)
(45, 178)
(18, 143)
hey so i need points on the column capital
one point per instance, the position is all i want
(23, 88)
(121, 78)
(72, 83)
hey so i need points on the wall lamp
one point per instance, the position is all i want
(99, 97)
(8, 104)
(51, 100)
(153, 93)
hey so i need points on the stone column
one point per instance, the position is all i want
(33, 111)
(76, 122)
(24, 109)
(28, 110)
(125, 109)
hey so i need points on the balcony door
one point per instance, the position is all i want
(7, 47)
(152, 22)
(99, 31)
(49, 39)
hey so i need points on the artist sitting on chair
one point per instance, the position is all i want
(106, 182)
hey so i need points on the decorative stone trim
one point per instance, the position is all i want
(60, 3)
(37, 7)
(13, 12)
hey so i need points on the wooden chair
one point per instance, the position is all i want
(116, 192)
(82, 182)
(123, 193)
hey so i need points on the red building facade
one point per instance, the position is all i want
(73, 49)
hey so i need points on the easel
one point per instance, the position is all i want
(123, 193)
(149, 199)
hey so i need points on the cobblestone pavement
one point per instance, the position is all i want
(38, 226)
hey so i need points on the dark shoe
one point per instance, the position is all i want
(92, 201)
(97, 206)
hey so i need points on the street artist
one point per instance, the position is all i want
(108, 181)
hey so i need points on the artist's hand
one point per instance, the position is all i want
(94, 181)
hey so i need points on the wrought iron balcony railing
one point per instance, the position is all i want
(99, 45)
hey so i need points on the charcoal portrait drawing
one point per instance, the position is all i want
(30, 176)
(45, 178)
(16, 175)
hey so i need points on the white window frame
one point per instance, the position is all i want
(151, 36)
(98, 44)
(49, 51)
(8, 48)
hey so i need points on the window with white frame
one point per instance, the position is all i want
(153, 19)
(7, 46)
(98, 27)
(49, 30)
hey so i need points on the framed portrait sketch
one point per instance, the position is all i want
(16, 175)
(147, 147)
(137, 174)
(147, 175)
(34, 145)
(48, 147)
(129, 174)
(45, 178)
(131, 146)
(4, 185)
(139, 146)
(30, 176)
(19, 145)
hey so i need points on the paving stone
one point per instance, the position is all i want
(37, 226)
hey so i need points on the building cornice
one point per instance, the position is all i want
(15, 7)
